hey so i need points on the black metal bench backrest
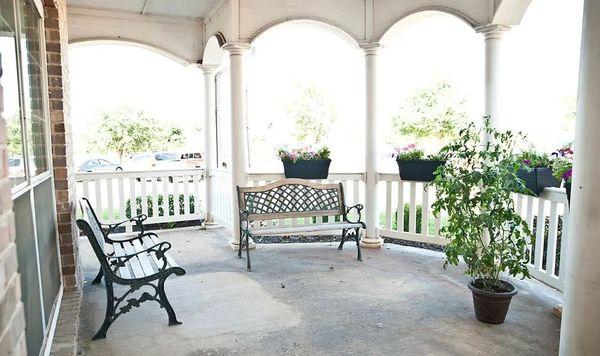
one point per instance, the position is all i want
(288, 198)
(92, 220)
(96, 238)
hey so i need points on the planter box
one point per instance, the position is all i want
(538, 178)
(311, 169)
(568, 189)
(420, 170)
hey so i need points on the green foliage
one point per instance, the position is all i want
(406, 218)
(303, 154)
(474, 187)
(161, 212)
(533, 159)
(13, 135)
(126, 131)
(409, 153)
(431, 112)
(562, 169)
(313, 114)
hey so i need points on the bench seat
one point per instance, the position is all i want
(287, 230)
(143, 264)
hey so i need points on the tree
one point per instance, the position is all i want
(313, 114)
(431, 112)
(13, 134)
(127, 131)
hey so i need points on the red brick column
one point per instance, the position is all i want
(12, 317)
(55, 24)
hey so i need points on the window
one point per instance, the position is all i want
(33, 88)
(9, 81)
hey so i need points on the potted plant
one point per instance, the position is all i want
(536, 171)
(562, 168)
(414, 166)
(305, 162)
(475, 188)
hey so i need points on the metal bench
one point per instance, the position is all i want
(295, 198)
(108, 229)
(139, 262)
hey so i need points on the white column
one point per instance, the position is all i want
(209, 135)
(238, 129)
(371, 239)
(580, 329)
(493, 69)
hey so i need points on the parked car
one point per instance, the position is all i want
(192, 159)
(16, 167)
(154, 161)
(99, 165)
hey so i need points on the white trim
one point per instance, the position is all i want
(49, 338)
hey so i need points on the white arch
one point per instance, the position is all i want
(213, 53)
(321, 23)
(129, 42)
(470, 22)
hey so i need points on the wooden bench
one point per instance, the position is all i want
(138, 262)
(295, 198)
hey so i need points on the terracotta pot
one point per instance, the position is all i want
(491, 307)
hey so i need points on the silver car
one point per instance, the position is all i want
(99, 165)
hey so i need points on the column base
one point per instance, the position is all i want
(371, 242)
(235, 245)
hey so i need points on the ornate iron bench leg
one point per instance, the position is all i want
(110, 312)
(241, 242)
(98, 277)
(164, 302)
(357, 234)
(344, 232)
(248, 252)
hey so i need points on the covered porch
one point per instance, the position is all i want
(313, 299)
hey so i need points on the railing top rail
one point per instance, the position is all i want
(128, 174)
(279, 175)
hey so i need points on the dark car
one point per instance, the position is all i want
(99, 165)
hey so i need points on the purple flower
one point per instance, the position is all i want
(527, 162)
(568, 174)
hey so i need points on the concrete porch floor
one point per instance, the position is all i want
(311, 299)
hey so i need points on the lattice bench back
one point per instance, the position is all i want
(289, 198)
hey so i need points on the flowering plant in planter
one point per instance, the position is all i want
(475, 188)
(305, 162)
(414, 166)
(536, 171)
(562, 168)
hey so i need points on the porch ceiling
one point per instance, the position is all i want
(187, 8)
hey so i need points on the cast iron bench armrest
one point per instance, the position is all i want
(358, 208)
(159, 250)
(137, 237)
(138, 219)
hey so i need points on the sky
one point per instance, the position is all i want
(540, 74)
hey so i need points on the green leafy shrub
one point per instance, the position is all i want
(406, 218)
(475, 188)
(161, 212)
(533, 159)
(303, 154)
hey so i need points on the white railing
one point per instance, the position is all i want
(548, 252)
(221, 196)
(406, 211)
(170, 196)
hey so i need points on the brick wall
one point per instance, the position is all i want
(12, 317)
(55, 23)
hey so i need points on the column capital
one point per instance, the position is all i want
(208, 69)
(492, 31)
(370, 48)
(236, 48)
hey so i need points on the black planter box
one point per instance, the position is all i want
(310, 169)
(420, 170)
(537, 179)
(568, 189)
